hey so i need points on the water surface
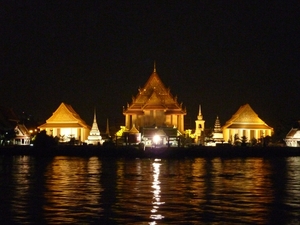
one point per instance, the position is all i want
(78, 190)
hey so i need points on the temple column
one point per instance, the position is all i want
(248, 135)
(134, 117)
(181, 123)
(174, 120)
(82, 135)
(226, 135)
(127, 121)
(240, 133)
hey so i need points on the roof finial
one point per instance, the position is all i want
(200, 117)
(95, 114)
(154, 70)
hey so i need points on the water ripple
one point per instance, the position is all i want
(73, 190)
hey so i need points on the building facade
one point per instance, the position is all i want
(292, 139)
(22, 135)
(66, 124)
(245, 123)
(154, 106)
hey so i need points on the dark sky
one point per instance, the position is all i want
(220, 54)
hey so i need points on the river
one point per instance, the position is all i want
(93, 190)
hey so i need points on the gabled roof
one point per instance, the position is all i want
(22, 130)
(293, 133)
(64, 116)
(246, 118)
(134, 130)
(154, 95)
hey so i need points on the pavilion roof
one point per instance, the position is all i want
(246, 118)
(64, 116)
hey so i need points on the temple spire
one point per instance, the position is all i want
(95, 129)
(217, 128)
(200, 117)
(95, 119)
(154, 67)
(95, 137)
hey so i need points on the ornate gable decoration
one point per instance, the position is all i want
(64, 114)
(154, 96)
(154, 92)
(154, 99)
(245, 114)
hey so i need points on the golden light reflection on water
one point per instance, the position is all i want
(72, 183)
(156, 200)
(78, 190)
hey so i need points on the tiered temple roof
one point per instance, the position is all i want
(154, 96)
(217, 128)
(218, 134)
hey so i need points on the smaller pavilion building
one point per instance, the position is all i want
(66, 124)
(22, 135)
(245, 122)
(292, 139)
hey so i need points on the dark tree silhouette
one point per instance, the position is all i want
(44, 140)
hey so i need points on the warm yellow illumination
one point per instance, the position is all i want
(121, 131)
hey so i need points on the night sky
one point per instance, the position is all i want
(220, 54)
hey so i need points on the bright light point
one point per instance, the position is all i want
(156, 139)
(157, 217)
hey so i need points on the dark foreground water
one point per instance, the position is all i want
(77, 190)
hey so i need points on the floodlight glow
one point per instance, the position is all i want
(156, 139)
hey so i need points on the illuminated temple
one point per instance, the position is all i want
(245, 122)
(217, 133)
(94, 138)
(292, 139)
(199, 129)
(66, 124)
(155, 110)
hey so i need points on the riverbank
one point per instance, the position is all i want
(133, 152)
